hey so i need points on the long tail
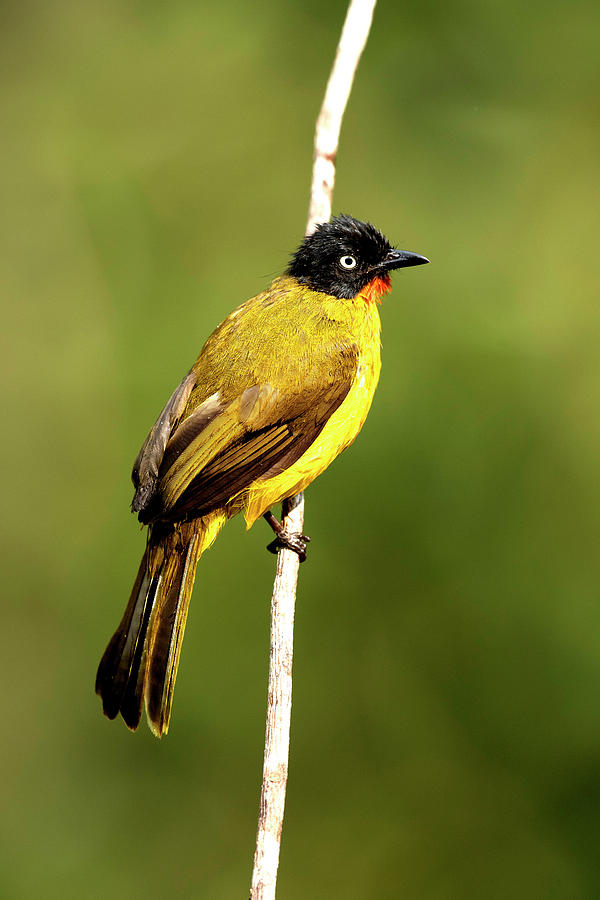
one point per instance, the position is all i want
(141, 660)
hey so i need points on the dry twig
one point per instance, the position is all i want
(279, 703)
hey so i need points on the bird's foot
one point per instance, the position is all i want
(286, 539)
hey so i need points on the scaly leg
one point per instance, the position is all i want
(295, 542)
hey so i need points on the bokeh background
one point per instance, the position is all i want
(446, 725)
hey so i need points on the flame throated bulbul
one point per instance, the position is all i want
(281, 387)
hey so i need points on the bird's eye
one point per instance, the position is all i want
(348, 262)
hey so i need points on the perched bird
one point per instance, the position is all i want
(281, 387)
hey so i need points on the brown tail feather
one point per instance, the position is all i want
(168, 636)
(115, 669)
(141, 660)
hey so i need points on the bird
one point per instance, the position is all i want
(280, 388)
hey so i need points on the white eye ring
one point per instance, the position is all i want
(348, 262)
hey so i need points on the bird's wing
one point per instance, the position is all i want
(145, 469)
(222, 447)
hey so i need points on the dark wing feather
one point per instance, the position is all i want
(147, 464)
(216, 485)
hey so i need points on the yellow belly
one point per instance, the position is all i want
(339, 432)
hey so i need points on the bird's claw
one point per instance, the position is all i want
(287, 540)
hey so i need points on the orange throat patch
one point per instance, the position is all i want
(375, 290)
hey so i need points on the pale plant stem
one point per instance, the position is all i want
(279, 703)
(327, 133)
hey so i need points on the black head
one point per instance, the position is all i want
(342, 256)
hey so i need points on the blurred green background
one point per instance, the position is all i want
(446, 725)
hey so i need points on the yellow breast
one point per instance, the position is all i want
(340, 430)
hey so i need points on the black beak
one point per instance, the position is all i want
(397, 259)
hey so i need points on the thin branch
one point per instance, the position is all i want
(279, 704)
(327, 134)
